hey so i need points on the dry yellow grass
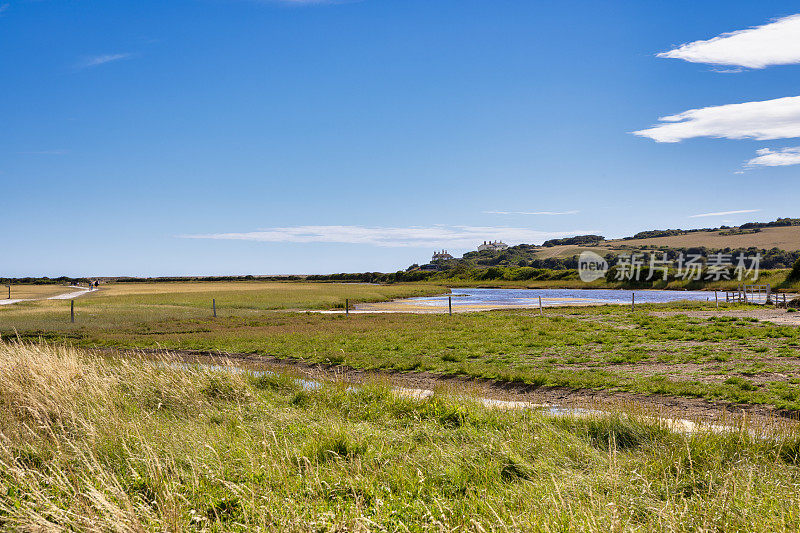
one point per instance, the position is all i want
(126, 445)
(26, 292)
(193, 287)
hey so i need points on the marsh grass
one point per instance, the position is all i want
(95, 444)
(604, 347)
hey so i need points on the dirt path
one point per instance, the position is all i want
(9, 302)
(66, 296)
(70, 295)
(649, 405)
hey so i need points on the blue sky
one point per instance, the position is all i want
(238, 137)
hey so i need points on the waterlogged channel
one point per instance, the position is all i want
(674, 424)
(475, 299)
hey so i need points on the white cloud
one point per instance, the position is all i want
(776, 43)
(531, 212)
(775, 158)
(95, 61)
(768, 119)
(725, 213)
(412, 236)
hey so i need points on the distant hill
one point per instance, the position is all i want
(778, 241)
(781, 237)
(749, 227)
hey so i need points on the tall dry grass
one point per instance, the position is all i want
(94, 444)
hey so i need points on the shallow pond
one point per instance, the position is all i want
(499, 298)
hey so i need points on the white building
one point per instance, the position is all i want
(496, 246)
(441, 256)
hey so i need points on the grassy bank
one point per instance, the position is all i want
(96, 445)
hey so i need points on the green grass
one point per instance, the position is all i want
(92, 444)
(588, 347)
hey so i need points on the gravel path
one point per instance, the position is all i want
(71, 295)
(67, 296)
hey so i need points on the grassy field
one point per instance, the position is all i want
(602, 348)
(662, 349)
(93, 444)
(120, 304)
(256, 295)
(34, 291)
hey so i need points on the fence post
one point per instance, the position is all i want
(716, 298)
(72, 311)
(450, 305)
(214, 307)
(346, 306)
(541, 309)
(633, 301)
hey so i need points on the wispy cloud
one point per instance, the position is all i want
(776, 43)
(764, 120)
(725, 213)
(532, 212)
(392, 237)
(4, 7)
(45, 152)
(96, 61)
(775, 158)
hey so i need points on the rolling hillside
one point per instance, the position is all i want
(785, 238)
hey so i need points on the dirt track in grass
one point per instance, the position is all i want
(695, 409)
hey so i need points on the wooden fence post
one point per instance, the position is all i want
(72, 311)
(450, 305)
(541, 309)
(633, 301)
(214, 306)
(346, 306)
(716, 298)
